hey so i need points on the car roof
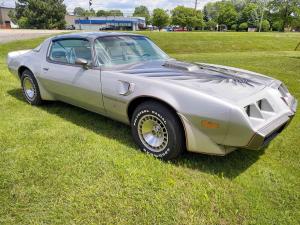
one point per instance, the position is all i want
(92, 35)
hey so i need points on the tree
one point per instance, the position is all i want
(234, 27)
(262, 4)
(296, 24)
(239, 5)
(223, 12)
(227, 14)
(187, 17)
(142, 11)
(160, 18)
(41, 14)
(91, 12)
(12, 16)
(277, 25)
(115, 12)
(210, 11)
(211, 25)
(250, 15)
(78, 11)
(265, 25)
(101, 13)
(285, 10)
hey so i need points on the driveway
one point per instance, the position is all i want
(8, 35)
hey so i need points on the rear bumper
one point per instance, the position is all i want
(266, 134)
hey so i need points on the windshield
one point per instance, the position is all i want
(118, 50)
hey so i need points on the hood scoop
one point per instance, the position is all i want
(181, 66)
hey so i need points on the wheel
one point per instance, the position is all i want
(157, 130)
(30, 88)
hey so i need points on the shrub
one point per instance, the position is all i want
(243, 26)
(277, 26)
(265, 25)
(234, 27)
(23, 22)
(210, 25)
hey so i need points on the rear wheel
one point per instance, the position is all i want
(157, 130)
(30, 88)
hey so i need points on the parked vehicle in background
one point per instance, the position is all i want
(70, 27)
(108, 27)
(180, 29)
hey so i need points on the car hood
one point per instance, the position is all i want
(216, 80)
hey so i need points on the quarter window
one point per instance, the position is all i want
(68, 50)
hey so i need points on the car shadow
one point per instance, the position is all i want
(229, 166)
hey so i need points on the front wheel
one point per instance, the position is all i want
(157, 130)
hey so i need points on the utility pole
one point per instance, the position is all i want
(90, 4)
(196, 4)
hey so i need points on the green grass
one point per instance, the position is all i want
(63, 165)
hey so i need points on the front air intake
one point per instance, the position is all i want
(264, 105)
(253, 111)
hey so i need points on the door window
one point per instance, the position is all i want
(68, 50)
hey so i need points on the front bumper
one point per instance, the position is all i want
(266, 134)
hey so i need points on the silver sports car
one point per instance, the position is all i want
(170, 105)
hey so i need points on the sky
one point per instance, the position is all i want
(127, 6)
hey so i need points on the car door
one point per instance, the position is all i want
(68, 81)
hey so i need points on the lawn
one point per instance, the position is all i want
(63, 165)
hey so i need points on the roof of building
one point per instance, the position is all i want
(6, 7)
(93, 35)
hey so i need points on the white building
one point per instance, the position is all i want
(110, 23)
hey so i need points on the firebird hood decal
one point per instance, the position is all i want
(219, 81)
(228, 78)
(199, 72)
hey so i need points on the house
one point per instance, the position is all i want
(5, 21)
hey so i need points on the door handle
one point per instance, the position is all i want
(46, 69)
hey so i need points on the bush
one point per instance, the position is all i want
(211, 25)
(277, 26)
(234, 27)
(23, 22)
(243, 26)
(265, 25)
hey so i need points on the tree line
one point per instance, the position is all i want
(236, 15)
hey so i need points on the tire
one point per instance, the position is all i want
(157, 130)
(30, 88)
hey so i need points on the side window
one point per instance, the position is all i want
(68, 50)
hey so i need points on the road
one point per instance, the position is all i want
(8, 35)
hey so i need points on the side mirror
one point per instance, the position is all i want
(82, 62)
